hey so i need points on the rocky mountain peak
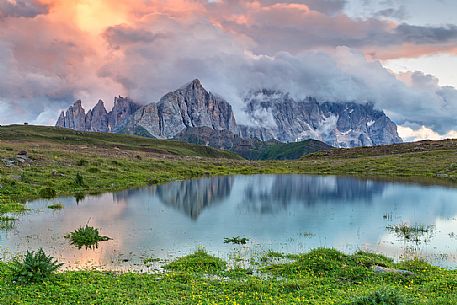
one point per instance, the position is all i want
(192, 86)
(100, 104)
(277, 115)
(98, 118)
(189, 106)
(123, 108)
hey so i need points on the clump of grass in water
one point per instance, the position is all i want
(198, 262)
(150, 260)
(86, 236)
(236, 240)
(6, 222)
(56, 206)
(411, 233)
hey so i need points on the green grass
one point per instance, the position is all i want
(56, 206)
(291, 151)
(322, 276)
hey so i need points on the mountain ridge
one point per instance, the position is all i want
(274, 115)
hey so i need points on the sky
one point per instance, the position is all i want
(400, 55)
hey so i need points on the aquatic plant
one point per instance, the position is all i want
(413, 233)
(56, 206)
(86, 236)
(236, 240)
(34, 268)
(307, 234)
(150, 260)
(6, 222)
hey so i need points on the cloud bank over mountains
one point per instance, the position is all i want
(53, 52)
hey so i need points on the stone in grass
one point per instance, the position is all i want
(379, 269)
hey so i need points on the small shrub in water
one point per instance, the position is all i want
(86, 236)
(56, 206)
(35, 268)
(6, 222)
(236, 240)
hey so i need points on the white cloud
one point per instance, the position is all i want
(409, 134)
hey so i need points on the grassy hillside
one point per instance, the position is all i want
(396, 149)
(291, 151)
(91, 140)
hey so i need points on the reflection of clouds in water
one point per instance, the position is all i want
(193, 196)
(97, 211)
(268, 194)
(271, 210)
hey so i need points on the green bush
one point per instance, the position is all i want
(86, 236)
(35, 268)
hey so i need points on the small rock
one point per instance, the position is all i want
(379, 269)
(439, 175)
(21, 159)
(9, 162)
(55, 173)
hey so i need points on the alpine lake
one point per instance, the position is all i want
(282, 213)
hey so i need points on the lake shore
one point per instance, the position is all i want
(322, 276)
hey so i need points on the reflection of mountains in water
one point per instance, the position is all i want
(192, 196)
(267, 194)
